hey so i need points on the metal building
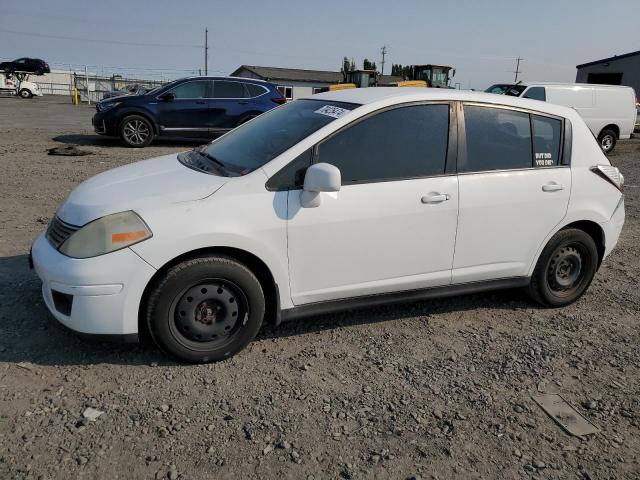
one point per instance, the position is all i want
(616, 70)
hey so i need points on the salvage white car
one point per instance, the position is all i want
(346, 199)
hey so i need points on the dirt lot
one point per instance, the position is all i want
(438, 389)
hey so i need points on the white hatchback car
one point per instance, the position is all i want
(345, 199)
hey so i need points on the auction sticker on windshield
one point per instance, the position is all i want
(332, 111)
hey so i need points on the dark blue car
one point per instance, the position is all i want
(198, 107)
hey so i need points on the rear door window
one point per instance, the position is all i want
(497, 139)
(547, 137)
(226, 89)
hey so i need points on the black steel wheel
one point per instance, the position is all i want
(205, 309)
(565, 268)
(136, 131)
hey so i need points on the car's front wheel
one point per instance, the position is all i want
(205, 309)
(565, 268)
(136, 131)
(24, 93)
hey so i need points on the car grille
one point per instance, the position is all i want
(58, 231)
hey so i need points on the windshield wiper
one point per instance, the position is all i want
(208, 156)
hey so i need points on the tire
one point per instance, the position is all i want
(136, 131)
(205, 309)
(607, 140)
(565, 268)
(25, 93)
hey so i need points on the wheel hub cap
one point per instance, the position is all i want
(565, 268)
(207, 312)
(136, 132)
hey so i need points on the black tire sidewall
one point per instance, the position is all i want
(543, 292)
(190, 273)
(129, 118)
(28, 93)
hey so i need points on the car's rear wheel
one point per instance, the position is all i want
(205, 309)
(607, 140)
(136, 131)
(565, 268)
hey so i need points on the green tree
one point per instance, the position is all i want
(396, 69)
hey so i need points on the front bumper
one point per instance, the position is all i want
(104, 123)
(97, 296)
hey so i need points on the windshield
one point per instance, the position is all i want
(439, 77)
(506, 89)
(264, 138)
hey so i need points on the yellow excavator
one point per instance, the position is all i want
(434, 76)
(355, 79)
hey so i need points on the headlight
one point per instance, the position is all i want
(103, 107)
(106, 234)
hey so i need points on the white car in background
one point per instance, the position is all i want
(346, 199)
(608, 110)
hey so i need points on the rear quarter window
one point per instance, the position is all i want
(547, 138)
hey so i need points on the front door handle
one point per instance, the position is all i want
(435, 197)
(200, 102)
(552, 187)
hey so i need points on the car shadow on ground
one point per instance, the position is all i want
(109, 142)
(29, 333)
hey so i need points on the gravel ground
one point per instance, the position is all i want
(438, 389)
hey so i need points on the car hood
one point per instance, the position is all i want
(138, 186)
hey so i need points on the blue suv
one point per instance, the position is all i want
(198, 107)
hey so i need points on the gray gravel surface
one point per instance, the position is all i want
(439, 389)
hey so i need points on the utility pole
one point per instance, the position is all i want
(517, 68)
(206, 51)
(383, 50)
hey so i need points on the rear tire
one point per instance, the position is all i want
(205, 309)
(607, 140)
(136, 131)
(565, 268)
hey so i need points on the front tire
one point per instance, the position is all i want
(607, 140)
(24, 93)
(205, 309)
(136, 131)
(565, 268)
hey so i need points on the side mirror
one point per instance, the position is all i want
(167, 97)
(320, 177)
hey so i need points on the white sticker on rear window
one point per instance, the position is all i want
(332, 111)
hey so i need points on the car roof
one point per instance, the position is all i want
(228, 77)
(569, 84)
(397, 95)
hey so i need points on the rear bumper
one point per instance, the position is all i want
(95, 296)
(613, 227)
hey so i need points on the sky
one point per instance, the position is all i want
(480, 38)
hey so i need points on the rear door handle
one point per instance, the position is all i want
(435, 198)
(552, 187)
(243, 102)
(200, 102)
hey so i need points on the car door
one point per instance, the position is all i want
(514, 189)
(229, 105)
(187, 113)
(392, 225)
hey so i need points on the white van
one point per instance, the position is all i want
(608, 110)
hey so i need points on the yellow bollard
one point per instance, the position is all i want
(75, 95)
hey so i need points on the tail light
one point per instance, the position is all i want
(611, 174)
(279, 100)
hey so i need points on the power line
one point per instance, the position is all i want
(95, 40)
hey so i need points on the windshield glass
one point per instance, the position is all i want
(506, 89)
(439, 77)
(265, 137)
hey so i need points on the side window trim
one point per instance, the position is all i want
(451, 139)
(565, 141)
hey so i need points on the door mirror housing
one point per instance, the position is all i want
(320, 177)
(167, 97)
